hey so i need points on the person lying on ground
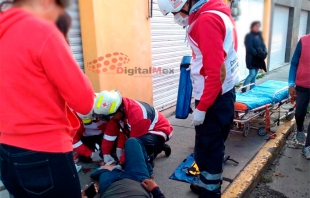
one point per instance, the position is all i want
(133, 179)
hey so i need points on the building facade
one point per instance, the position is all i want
(130, 46)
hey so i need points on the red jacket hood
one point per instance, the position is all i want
(10, 18)
(217, 5)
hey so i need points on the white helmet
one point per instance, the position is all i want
(107, 102)
(88, 118)
(167, 6)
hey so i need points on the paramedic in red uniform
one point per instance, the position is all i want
(131, 118)
(88, 139)
(214, 73)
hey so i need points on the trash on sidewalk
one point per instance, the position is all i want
(278, 175)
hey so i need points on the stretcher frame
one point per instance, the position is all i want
(243, 119)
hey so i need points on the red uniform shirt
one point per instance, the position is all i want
(140, 119)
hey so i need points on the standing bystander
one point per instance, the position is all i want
(39, 80)
(299, 82)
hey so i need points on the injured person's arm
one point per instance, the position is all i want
(151, 186)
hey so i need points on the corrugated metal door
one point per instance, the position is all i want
(278, 37)
(303, 24)
(75, 38)
(248, 7)
(168, 48)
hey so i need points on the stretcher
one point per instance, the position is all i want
(269, 101)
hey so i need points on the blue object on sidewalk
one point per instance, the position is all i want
(183, 106)
(180, 173)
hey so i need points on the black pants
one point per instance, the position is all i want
(31, 174)
(210, 143)
(153, 145)
(302, 102)
(90, 142)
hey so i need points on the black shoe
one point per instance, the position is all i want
(167, 150)
(196, 188)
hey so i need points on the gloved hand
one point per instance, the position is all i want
(119, 153)
(95, 156)
(108, 159)
(198, 117)
(119, 167)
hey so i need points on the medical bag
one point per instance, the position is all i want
(183, 107)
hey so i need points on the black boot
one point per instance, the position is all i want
(196, 188)
(167, 150)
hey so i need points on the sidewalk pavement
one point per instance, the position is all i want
(241, 149)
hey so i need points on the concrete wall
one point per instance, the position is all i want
(296, 6)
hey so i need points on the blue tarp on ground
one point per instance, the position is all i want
(180, 173)
(263, 94)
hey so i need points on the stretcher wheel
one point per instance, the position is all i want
(290, 117)
(246, 129)
(261, 131)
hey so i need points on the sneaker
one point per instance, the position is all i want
(306, 152)
(196, 188)
(167, 150)
(300, 137)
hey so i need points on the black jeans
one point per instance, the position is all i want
(302, 102)
(153, 145)
(27, 174)
(210, 143)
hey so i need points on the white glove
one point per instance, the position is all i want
(108, 159)
(119, 153)
(95, 156)
(119, 167)
(198, 117)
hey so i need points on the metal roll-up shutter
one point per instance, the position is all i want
(279, 37)
(303, 24)
(75, 38)
(168, 48)
(248, 7)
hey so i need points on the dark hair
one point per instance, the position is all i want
(254, 23)
(63, 23)
(62, 3)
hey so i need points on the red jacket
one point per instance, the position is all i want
(209, 32)
(96, 128)
(39, 79)
(141, 118)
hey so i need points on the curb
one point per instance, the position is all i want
(248, 178)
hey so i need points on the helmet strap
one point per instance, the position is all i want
(189, 8)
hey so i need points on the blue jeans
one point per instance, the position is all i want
(251, 78)
(31, 174)
(136, 167)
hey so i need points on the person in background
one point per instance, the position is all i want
(133, 179)
(214, 72)
(39, 81)
(299, 82)
(63, 23)
(256, 53)
(131, 118)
